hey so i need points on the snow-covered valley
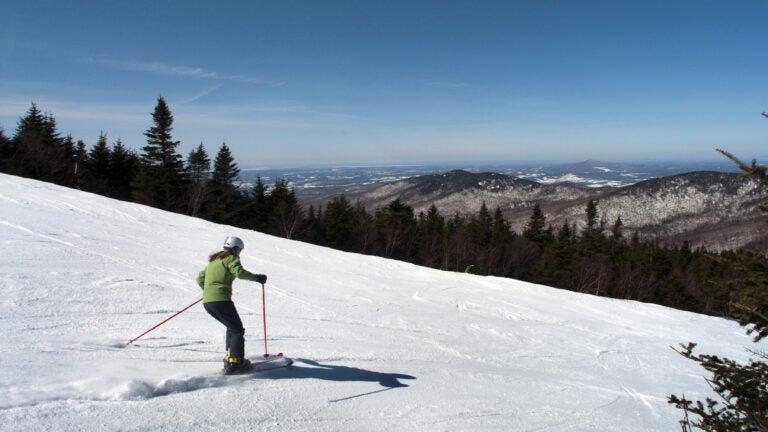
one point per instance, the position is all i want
(378, 344)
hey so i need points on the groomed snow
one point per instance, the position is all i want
(378, 345)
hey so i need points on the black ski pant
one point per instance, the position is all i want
(225, 313)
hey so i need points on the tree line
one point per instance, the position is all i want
(598, 259)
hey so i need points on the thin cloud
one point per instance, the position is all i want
(160, 68)
(73, 109)
(201, 94)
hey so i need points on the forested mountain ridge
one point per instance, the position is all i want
(718, 211)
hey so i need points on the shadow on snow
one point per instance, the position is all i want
(342, 374)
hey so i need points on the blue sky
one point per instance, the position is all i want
(385, 82)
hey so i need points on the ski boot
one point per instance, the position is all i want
(233, 366)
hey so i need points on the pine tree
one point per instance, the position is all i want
(499, 256)
(535, 231)
(159, 181)
(226, 201)
(396, 227)
(458, 252)
(478, 231)
(69, 162)
(431, 237)
(742, 388)
(225, 169)
(480, 227)
(160, 150)
(81, 159)
(593, 226)
(312, 230)
(198, 174)
(37, 148)
(123, 164)
(258, 207)
(61, 165)
(97, 170)
(363, 229)
(339, 225)
(286, 215)
(742, 391)
(558, 263)
(7, 151)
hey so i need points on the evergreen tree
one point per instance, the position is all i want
(458, 250)
(742, 388)
(480, 227)
(226, 201)
(123, 164)
(593, 228)
(431, 237)
(364, 228)
(160, 150)
(556, 264)
(535, 231)
(37, 148)
(285, 215)
(159, 181)
(225, 169)
(311, 231)
(97, 168)
(478, 231)
(198, 174)
(259, 207)
(499, 256)
(341, 225)
(69, 154)
(81, 159)
(7, 151)
(396, 228)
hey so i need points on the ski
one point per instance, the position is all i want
(268, 362)
(272, 361)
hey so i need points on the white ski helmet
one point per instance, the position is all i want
(234, 243)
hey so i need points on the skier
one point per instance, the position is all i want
(216, 281)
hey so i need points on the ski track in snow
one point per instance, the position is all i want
(377, 344)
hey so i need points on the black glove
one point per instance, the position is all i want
(262, 279)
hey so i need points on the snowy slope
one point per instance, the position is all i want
(379, 345)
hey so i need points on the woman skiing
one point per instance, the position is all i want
(216, 281)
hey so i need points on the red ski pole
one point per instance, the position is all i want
(264, 315)
(163, 322)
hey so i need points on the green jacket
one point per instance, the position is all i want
(217, 277)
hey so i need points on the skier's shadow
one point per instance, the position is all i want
(345, 373)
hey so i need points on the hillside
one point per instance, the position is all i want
(378, 345)
(711, 209)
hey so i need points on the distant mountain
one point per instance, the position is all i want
(593, 173)
(320, 181)
(464, 192)
(711, 209)
(716, 210)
